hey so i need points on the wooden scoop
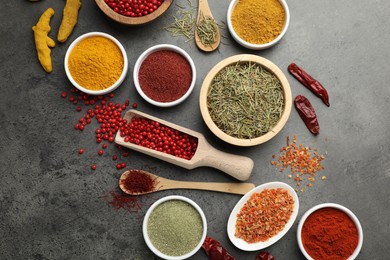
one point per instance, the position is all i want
(239, 167)
(167, 184)
(204, 10)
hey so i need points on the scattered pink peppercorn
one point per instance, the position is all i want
(100, 152)
(104, 146)
(64, 94)
(135, 105)
(93, 166)
(81, 151)
(114, 157)
(78, 109)
(125, 154)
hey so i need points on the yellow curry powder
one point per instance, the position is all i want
(96, 63)
(258, 21)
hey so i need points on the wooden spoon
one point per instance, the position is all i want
(167, 184)
(239, 167)
(204, 9)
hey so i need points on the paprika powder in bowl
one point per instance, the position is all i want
(245, 100)
(96, 63)
(330, 231)
(164, 75)
(256, 24)
(174, 227)
(263, 216)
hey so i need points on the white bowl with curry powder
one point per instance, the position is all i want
(96, 63)
(256, 24)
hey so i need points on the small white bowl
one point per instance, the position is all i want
(231, 226)
(110, 88)
(156, 48)
(336, 206)
(252, 46)
(145, 227)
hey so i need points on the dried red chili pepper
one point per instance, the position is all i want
(307, 113)
(265, 256)
(309, 82)
(215, 251)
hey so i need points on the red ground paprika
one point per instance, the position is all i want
(165, 76)
(329, 233)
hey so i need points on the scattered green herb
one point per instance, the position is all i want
(245, 100)
(175, 227)
(184, 22)
(207, 30)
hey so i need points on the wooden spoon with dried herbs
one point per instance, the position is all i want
(207, 36)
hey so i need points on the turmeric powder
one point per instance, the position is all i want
(43, 41)
(69, 19)
(258, 21)
(96, 63)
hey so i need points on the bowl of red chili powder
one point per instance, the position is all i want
(330, 231)
(164, 75)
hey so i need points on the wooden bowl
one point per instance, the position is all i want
(133, 20)
(244, 58)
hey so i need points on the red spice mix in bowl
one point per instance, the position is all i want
(330, 231)
(164, 75)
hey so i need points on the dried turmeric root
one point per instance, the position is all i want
(43, 41)
(69, 19)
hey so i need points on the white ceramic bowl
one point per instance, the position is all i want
(257, 46)
(156, 48)
(145, 229)
(336, 206)
(231, 226)
(108, 89)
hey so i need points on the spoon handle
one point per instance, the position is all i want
(234, 188)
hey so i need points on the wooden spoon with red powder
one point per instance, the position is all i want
(139, 182)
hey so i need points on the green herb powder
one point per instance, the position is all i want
(175, 227)
(245, 100)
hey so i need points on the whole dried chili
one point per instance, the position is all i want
(309, 82)
(265, 256)
(215, 251)
(307, 113)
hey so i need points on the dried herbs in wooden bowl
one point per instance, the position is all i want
(245, 100)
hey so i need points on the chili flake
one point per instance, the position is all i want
(264, 215)
(302, 161)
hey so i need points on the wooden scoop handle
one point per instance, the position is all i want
(234, 188)
(239, 167)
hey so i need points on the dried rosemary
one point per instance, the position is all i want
(206, 30)
(184, 22)
(245, 100)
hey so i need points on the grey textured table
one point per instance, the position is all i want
(50, 199)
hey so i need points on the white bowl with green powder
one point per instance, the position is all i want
(256, 24)
(174, 227)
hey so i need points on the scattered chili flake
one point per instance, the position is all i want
(264, 215)
(302, 161)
